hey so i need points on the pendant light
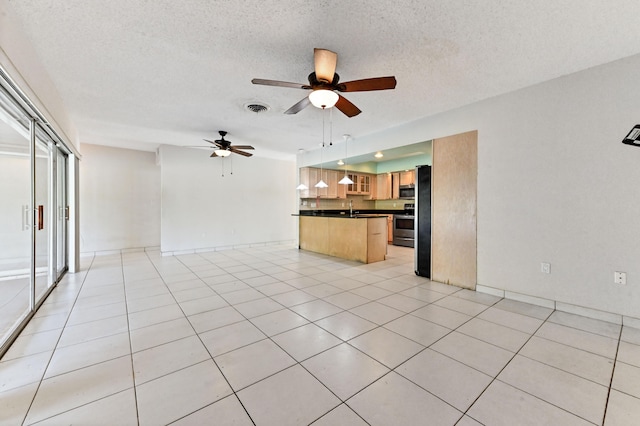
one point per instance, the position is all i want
(322, 183)
(345, 180)
(302, 186)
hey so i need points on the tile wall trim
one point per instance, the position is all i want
(563, 307)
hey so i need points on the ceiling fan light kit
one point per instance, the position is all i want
(222, 153)
(323, 98)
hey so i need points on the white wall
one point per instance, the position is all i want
(555, 184)
(203, 210)
(119, 199)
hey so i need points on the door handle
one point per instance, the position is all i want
(25, 217)
(40, 217)
(66, 213)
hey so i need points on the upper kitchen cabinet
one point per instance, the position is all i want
(361, 184)
(383, 186)
(310, 176)
(407, 177)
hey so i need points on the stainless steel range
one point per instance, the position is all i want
(404, 227)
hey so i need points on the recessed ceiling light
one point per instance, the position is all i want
(378, 155)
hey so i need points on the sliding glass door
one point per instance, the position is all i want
(33, 215)
(15, 217)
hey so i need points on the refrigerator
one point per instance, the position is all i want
(422, 250)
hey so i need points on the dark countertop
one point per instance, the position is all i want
(346, 212)
(357, 214)
(344, 215)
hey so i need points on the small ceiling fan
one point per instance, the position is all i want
(224, 147)
(324, 82)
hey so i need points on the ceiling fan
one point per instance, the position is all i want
(324, 82)
(224, 147)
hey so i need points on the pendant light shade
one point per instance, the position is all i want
(345, 180)
(321, 184)
(302, 187)
(323, 98)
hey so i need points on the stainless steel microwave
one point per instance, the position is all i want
(407, 192)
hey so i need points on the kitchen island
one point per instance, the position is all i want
(362, 238)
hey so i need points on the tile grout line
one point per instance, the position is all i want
(207, 349)
(133, 370)
(613, 371)
(26, 414)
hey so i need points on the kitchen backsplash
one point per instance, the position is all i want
(359, 203)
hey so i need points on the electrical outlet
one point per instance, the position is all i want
(620, 278)
(545, 268)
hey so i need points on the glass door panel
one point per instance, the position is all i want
(61, 213)
(15, 217)
(44, 219)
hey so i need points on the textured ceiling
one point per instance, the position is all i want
(138, 74)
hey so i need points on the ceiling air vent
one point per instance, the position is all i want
(257, 107)
(633, 138)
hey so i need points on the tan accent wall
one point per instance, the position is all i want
(454, 206)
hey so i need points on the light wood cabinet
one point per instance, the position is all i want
(395, 186)
(383, 186)
(361, 184)
(407, 177)
(362, 239)
(310, 176)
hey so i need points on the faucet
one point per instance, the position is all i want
(350, 208)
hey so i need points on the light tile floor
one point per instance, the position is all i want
(277, 336)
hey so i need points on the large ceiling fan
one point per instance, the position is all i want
(324, 82)
(224, 147)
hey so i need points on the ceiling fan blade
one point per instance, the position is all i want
(299, 106)
(378, 83)
(237, 151)
(213, 142)
(213, 154)
(280, 83)
(325, 62)
(347, 108)
(242, 147)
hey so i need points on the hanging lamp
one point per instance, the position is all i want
(345, 180)
(321, 183)
(302, 186)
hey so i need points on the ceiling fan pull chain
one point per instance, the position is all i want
(330, 126)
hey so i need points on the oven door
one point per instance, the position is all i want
(403, 230)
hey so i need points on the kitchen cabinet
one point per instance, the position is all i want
(311, 175)
(383, 186)
(395, 185)
(361, 239)
(361, 184)
(407, 177)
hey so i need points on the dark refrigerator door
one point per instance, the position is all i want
(423, 222)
